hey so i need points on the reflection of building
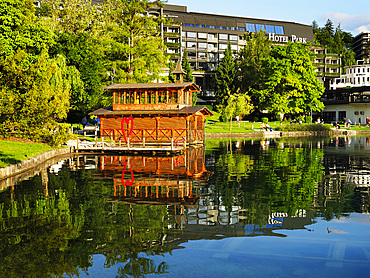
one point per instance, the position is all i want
(156, 180)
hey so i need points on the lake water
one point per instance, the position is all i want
(242, 208)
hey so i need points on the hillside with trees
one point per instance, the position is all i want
(335, 40)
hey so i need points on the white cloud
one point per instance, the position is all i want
(353, 23)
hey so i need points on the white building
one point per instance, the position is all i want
(355, 76)
(349, 95)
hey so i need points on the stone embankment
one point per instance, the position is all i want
(31, 166)
(278, 134)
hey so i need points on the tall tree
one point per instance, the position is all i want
(290, 84)
(250, 75)
(188, 74)
(78, 29)
(336, 41)
(21, 29)
(186, 67)
(225, 77)
(133, 46)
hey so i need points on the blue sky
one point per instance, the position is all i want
(353, 15)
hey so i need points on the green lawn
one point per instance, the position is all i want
(214, 125)
(12, 152)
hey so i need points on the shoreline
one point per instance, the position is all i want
(33, 163)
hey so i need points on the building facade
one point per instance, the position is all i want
(349, 95)
(206, 36)
(361, 42)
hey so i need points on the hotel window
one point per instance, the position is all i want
(189, 25)
(183, 44)
(221, 27)
(241, 29)
(270, 29)
(191, 44)
(211, 26)
(200, 25)
(260, 27)
(250, 27)
(211, 36)
(279, 30)
(223, 36)
(202, 35)
(222, 46)
(192, 54)
(202, 55)
(231, 28)
(233, 38)
(191, 34)
(202, 45)
(234, 47)
(183, 34)
(211, 46)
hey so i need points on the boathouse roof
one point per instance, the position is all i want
(151, 86)
(108, 111)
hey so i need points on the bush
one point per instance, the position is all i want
(54, 137)
(304, 127)
(308, 119)
(265, 120)
(255, 119)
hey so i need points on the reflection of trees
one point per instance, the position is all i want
(56, 232)
(284, 180)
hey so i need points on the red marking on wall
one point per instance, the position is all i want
(128, 121)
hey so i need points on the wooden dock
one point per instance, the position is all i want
(175, 145)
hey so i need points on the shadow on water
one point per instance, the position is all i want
(138, 212)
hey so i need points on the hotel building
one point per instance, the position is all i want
(359, 45)
(206, 36)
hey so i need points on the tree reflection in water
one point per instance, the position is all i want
(53, 224)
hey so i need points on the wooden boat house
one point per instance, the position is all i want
(154, 113)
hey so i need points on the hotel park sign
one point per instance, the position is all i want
(281, 38)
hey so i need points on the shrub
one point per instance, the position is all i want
(255, 119)
(308, 119)
(304, 127)
(265, 120)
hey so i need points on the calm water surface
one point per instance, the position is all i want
(271, 208)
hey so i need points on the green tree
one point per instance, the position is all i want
(250, 75)
(35, 94)
(225, 78)
(133, 46)
(336, 41)
(186, 67)
(237, 105)
(188, 74)
(79, 36)
(21, 29)
(290, 84)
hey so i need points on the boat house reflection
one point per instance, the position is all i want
(154, 179)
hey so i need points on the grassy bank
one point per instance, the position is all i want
(214, 125)
(12, 152)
